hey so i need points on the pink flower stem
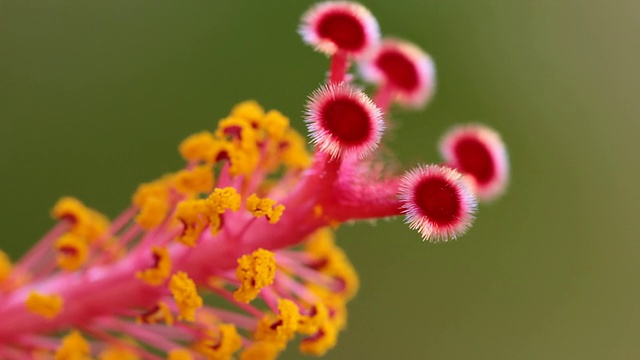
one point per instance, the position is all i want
(143, 333)
(338, 67)
(246, 307)
(42, 249)
(313, 276)
(384, 97)
(123, 219)
(297, 288)
(130, 234)
(243, 321)
(270, 298)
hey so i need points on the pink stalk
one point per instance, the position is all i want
(339, 66)
(286, 282)
(243, 321)
(250, 309)
(142, 333)
(43, 248)
(384, 97)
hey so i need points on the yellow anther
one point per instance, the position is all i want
(197, 180)
(276, 214)
(249, 110)
(336, 302)
(86, 222)
(193, 216)
(220, 344)
(281, 328)
(242, 161)
(275, 124)
(5, 266)
(179, 354)
(160, 313)
(224, 199)
(334, 261)
(239, 131)
(153, 200)
(160, 270)
(341, 268)
(73, 347)
(321, 342)
(186, 296)
(47, 306)
(158, 189)
(71, 209)
(255, 271)
(215, 223)
(198, 147)
(152, 213)
(71, 252)
(117, 353)
(261, 350)
(264, 207)
(310, 324)
(294, 151)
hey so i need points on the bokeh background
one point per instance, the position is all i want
(95, 97)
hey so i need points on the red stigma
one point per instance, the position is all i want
(346, 120)
(478, 151)
(438, 200)
(475, 159)
(342, 120)
(398, 69)
(343, 29)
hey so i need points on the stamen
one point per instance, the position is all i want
(264, 207)
(255, 271)
(179, 354)
(196, 180)
(72, 252)
(281, 328)
(47, 306)
(5, 266)
(220, 344)
(321, 342)
(160, 313)
(160, 270)
(74, 346)
(153, 201)
(186, 296)
(198, 147)
(261, 350)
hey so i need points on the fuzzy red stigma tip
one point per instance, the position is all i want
(334, 26)
(437, 202)
(342, 120)
(478, 151)
(404, 67)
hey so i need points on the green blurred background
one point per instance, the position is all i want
(95, 97)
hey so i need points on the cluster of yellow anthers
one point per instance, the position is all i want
(247, 222)
(319, 313)
(278, 293)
